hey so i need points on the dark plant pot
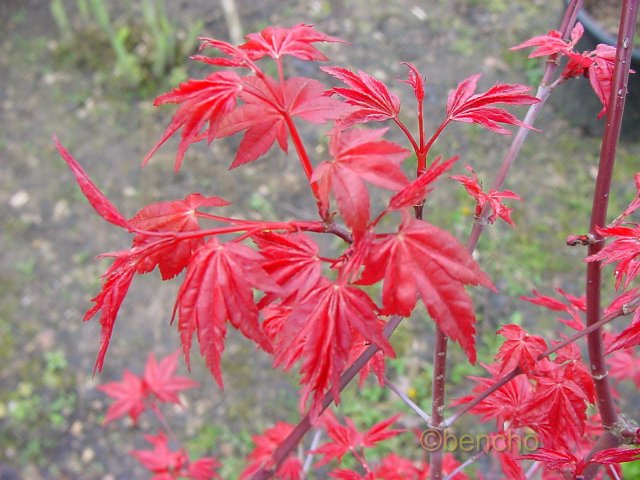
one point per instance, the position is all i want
(579, 103)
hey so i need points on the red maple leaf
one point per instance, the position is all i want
(201, 102)
(494, 198)
(560, 405)
(160, 380)
(552, 43)
(520, 349)
(173, 216)
(319, 330)
(278, 41)
(601, 74)
(416, 81)
(625, 365)
(624, 250)
(115, 285)
(612, 456)
(371, 97)
(267, 109)
(168, 464)
(346, 438)
(218, 286)
(165, 463)
(629, 337)
(422, 258)
(265, 445)
(292, 260)
(463, 106)
(505, 404)
(101, 204)
(575, 369)
(129, 394)
(554, 459)
(574, 308)
(418, 189)
(203, 469)
(395, 467)
(358, 155)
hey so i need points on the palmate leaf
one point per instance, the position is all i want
(129, 395)
(291, 260)
(346, 438)
(624, 249)
(371, 97)
(218, 287)
(172, 216)
(416, 81)
(421, 258)
(520, 349)
(201, 102)
(264, 114)
(160, 378)
(318, 331)
(494, 199)
(261, 455)
(505, 404)
(358, 155)
(296, 41)
(466, 107)
(559, 404)
(552, 43)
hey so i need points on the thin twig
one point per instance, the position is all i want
(464, 465)
(395, 389)
(317, 436)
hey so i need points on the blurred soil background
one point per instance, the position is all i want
(75, 83)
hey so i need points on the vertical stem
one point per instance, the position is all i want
(440, 354)
(305, 162)
(608, 149)
(438, 393)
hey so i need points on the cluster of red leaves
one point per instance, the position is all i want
(597, 65)
(167, 464)
(493, 199)
(551, 397)
(133, 395)
(304, 317)
(344, 440)
(624, 251)
(268, 280)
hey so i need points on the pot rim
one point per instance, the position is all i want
(601, 36)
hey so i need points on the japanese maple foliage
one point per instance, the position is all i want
(329, 311)
(134, 394)
(319, 317)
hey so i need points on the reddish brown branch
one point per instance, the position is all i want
(606, 406)
(282, 452)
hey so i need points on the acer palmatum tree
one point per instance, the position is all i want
(269, 280)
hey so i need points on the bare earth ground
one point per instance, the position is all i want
(50, 410)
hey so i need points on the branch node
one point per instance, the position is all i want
(575, 240)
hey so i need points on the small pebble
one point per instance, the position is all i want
(19, 199)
